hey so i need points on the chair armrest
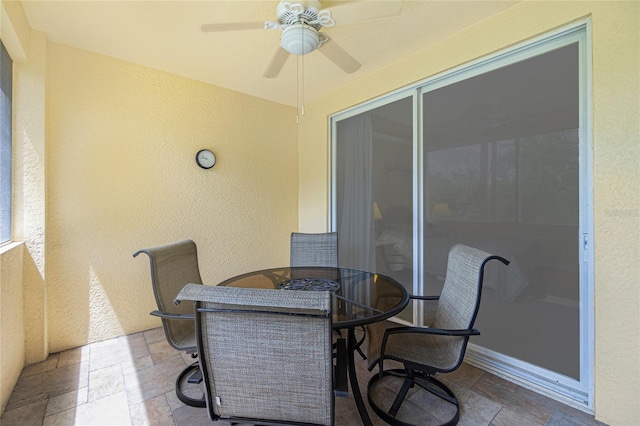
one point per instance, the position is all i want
(435, 331)
(421, 330)
(165, 315)
(411, 296)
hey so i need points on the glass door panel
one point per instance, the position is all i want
(501, 174)
(374, 192)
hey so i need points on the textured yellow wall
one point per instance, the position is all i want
(11, 320)
(616, 152)
(16, 322)
(29, 190)
(616, 155)
(121, 175)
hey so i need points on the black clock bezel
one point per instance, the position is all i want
(202, 165)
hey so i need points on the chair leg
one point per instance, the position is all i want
(195, 378)
(424, 381)
(190, 372)
(360, 342)
(402, 394)
(340, 377)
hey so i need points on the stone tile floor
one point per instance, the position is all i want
(130, 380)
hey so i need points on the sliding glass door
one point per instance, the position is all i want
(501, 173)
(494, 155)
(374, 191)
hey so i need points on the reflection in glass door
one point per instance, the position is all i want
(374, 192)
(502, 174)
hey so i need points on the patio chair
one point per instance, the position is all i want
(172, 267)
(440, 348)
(314, 249)
(265, 354)
(318, 250)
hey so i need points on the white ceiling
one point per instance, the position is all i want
(166, 35)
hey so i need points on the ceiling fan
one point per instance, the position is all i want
(301, 21)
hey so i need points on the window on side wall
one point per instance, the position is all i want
(6, 84)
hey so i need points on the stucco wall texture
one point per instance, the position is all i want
(121, 175)
(12, 348)
(616, 164)
(30, 191)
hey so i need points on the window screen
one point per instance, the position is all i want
(6, 66)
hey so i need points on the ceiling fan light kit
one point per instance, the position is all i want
(301, 21)
(300, 39)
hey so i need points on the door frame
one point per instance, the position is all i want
(576, 393)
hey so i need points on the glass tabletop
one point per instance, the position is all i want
(358, 297)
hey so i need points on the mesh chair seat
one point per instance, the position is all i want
(187, 341)
(172, 267)
(314, 249)
(265, 354)
(442, 353)
(440, 348)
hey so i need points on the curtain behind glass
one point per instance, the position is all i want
(356, 232)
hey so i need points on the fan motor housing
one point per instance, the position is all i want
(305, 12)
(300, 39)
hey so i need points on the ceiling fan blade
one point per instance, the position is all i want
(276, 64)
(232, 26)
(358, 11)
(339, 56)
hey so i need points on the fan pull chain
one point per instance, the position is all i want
(298, 90)
(300, 82)
(302, 103)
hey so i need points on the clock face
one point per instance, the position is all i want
(205, 159)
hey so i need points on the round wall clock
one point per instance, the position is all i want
(205, 159)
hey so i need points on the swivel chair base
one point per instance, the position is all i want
(194, 377)
(411, 378)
